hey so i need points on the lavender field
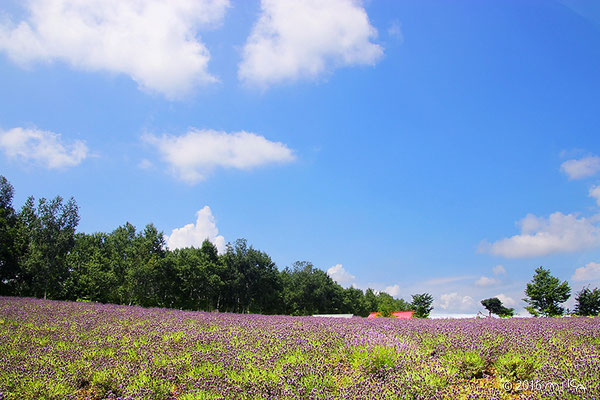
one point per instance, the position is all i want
(63, 350)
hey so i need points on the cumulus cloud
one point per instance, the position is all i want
(506, 300)
(393, 290)
(595, 193)
(582, 168)
(590, 272)
(42, 148)
(455, 301)
(499, 270)
(296, 39)
(340, 275)
(559, 233)
(485, 281)
(192, 156)
(192, 235)
(155, 42)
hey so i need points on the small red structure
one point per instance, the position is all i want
(403, 314)
(397, 314)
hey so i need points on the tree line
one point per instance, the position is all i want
(544, 296)
(42, 255)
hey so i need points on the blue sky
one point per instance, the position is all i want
(407, 146)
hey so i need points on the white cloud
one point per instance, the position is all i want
(193, 235)
(595, 193)
(590, 272)
(155, 42)
(542, 236)
(393, 290)
(499, 270)
(455, 301)
(192, 156)
(506, 300)
(296, 39)
(42, 147)
(582, 168)
(484, 281)
(340, 275)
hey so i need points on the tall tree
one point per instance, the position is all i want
(422, 304)
(51, 232)
(371, 300)
(587, 302)
(545, 293)
(12, 240)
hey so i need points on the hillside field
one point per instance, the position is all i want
(67, 350)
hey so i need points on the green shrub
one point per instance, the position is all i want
(516, 367)
(466, 364)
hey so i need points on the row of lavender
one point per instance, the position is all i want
(62, 350)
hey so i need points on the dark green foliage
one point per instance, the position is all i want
(545, 293)
(308, 290)
(494, 306)
(587, 302)
(12, 240)
(422, 304)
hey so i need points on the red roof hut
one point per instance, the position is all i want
(397, 314)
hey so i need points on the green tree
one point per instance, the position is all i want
(255, 281)
(91, 277)
(354, 302)
(587, 302)
(371, 300)
(386, 304)
(545, 293)
(308, 290)
(422, 304)
(12, 240)
(50, 229)
(494, 306)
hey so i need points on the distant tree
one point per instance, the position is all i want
(422, 304)
(386, 305)
(494, 306)
(91, 276)
(587, 302)
(50, 230)
(253, 280)
(545, 293)
(354, 302)
(371, 300)
(308, 290)
(12, 240)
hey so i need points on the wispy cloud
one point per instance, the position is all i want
(192, 156)
(499, 270)
(155, 42)
(42, 148)
(296, 39)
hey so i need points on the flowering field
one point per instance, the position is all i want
(62, 350)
